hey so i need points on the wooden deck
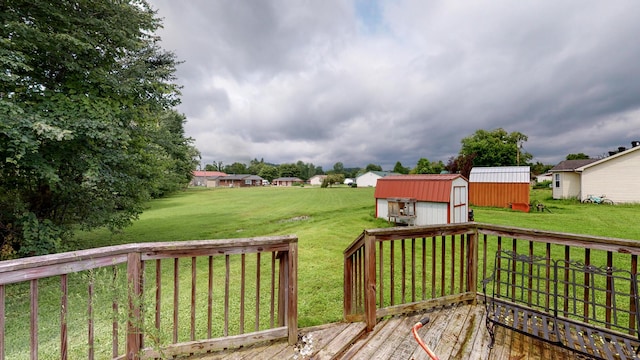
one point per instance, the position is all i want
(455, 332)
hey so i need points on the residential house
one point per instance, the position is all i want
(370, 178)
(316, 180)
(241, 180)
(287, 181)
(615, 176)
(200, 177)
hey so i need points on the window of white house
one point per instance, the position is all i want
(557, 180)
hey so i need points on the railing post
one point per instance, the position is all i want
(134, 331)
(472, 261)
(292, 293)
(370, 281)
(348, 286)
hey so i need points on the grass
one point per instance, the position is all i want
(326, 221)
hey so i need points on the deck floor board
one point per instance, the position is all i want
(454, 332)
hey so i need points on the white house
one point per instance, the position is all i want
(615, 176)
(317, 180)
(370, 178)
(426, 199)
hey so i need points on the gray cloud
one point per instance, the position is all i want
(379, 82)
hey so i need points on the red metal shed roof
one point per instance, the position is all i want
(427, 187)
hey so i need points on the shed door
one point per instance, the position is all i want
(460, 204)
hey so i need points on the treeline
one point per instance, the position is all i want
(482, 148)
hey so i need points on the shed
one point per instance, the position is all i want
(423, 199)
(502, 186)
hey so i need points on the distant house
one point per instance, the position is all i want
(615, 176)
(287, 181)
(316, 180)
(200, 177)
(241, 180)
(566, 180)
(426, 199)
(370, 178)
(544, 177)
(502, 186)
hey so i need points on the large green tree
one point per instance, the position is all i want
(87, 127)
(495, 148)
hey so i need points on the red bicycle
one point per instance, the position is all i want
(424, 346)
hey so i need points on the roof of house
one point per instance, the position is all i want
(199, 173)
(381, 173)
(242, 177)
(600, 161)
(425, 187)
(500, 174)
(571, 165)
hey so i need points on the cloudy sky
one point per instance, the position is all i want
(363, 81)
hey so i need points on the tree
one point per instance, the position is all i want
(236, 168)
(398, 168)
(462, 164)
(289, 170)
(424, 166)
(373, 167)
(332, 179)
(87, 127)
(269, 172)
(338, 168)
(495, 148)
(579, 156)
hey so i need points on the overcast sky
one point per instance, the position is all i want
(363, 82)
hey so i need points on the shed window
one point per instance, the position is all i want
(557, 180)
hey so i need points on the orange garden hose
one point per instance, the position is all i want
(415, 329)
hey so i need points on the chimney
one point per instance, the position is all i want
(611, 153)
(635, 143)
(621, 148)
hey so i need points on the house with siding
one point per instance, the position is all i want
(565, 178)
(240, 180)
(287, 181)
(502, 186)
(615, 176)
(371, 177)
(426, 199)
(316, 180)
(200, 178)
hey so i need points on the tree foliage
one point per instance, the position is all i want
(373, 167)
(496, 148)
(578, 156)
(424, 166)
(398, 168)
(87, 127)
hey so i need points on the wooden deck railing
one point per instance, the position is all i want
(400, 270)
(149, 300)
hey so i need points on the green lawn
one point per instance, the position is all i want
(326, 221)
